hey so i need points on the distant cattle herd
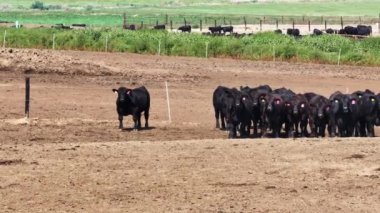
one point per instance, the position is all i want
(359, 30)
(283, 113)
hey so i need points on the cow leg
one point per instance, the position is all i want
(232, 131)
(370, 129)
(146, 115)
(139, 120)
(322, 130)
(304, 132)
(254, 128)
(135, 121)
(223, 119)
(120, 122)
(217, 113)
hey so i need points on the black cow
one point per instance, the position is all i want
(350, 30)
(301, 114)
(319, 115)
(185, 28)
(227, 103)
(368, 110)
(317, 32)
(287, 96)
(293, 32)
(258, 95)
(130, 27)
(278, 31)
(343, 114)
(310, 95)
(219, 101)
(364, 30)
(275, 113)
(159, 27)
(331, 31)
(133, 102)
(217, 29)
(228, 29)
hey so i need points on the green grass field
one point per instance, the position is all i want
(109, 12)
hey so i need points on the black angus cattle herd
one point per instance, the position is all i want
(273, 112)
(283, 113)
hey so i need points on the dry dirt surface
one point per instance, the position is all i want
(71, 157)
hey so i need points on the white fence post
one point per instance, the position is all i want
(206, 54)
(5, 35)
(159, 47)
(54, 41)
(340, 50)
(106, 48)
(168, 101)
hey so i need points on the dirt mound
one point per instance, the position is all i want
(31, 61)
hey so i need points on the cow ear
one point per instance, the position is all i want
(114, 90)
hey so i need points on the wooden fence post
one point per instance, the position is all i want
(341, 22)
(245, 23)
(261, 25)
(276, 24)
(27, 96)
(309, 25)
(200, 25)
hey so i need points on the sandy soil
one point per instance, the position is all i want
(70, 156)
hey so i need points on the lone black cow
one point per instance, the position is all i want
(132, 102)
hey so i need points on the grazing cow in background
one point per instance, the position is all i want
(364, 30)
(278, 31)
(228, 29)
(132, 102)
(331, 31)
(350, 30)
(293, 32)
(159, 27)
(317, 32)
(217, 29)
(130, 27)
(185, 28)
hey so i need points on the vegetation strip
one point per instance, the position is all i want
(261, 46)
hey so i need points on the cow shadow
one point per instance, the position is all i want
(131, 129)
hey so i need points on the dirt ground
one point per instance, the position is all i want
(71, 157)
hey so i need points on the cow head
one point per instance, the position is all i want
(323, 110)
(123, 94)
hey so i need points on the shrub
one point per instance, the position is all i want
(38, 5)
